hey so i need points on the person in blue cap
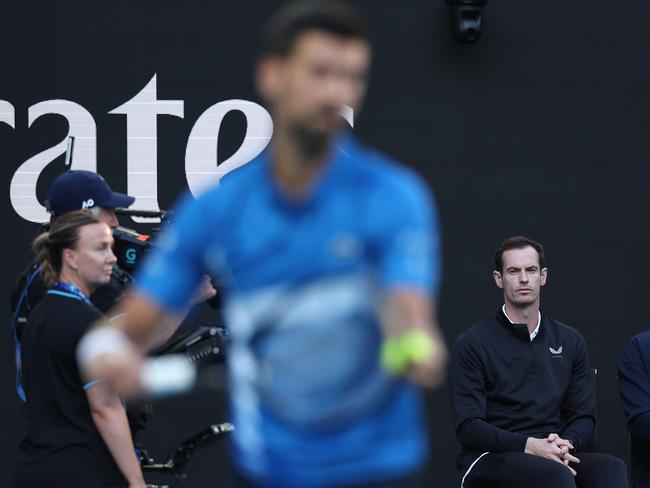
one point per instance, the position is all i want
(73, 190)
(329, 255)
(80, 189)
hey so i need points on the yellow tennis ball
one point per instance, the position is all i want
(392, 358)
(417, 345)
(412, 347)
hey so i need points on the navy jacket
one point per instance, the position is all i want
(634, 385)
(506, 388)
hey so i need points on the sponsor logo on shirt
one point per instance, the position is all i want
(556, 353)
(346, 246)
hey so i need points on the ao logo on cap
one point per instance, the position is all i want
(90, 203)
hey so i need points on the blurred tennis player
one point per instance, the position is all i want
(329, 254)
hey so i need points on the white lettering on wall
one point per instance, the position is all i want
(7, 113)
(347, 113)
(81, 125)
(201, 153)
(141, 113)
(142, 143)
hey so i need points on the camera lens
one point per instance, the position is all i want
(466, 19)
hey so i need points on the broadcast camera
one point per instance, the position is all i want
(204, 345)
(466, 19)
(130, 246)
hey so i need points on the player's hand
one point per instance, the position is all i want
(205, 292)
(432, 371)
(549, 450)
(417, 355)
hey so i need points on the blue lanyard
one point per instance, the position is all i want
(65, 289)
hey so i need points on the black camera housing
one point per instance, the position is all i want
(129, 248)
(466, 20)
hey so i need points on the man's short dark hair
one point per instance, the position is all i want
(296, 17)
(518, 242)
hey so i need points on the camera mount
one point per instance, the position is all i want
(176, 464)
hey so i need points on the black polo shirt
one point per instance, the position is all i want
(506, 388)
(30, 289)
(634, 385)
(62, 446)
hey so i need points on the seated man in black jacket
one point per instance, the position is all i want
(522, 391)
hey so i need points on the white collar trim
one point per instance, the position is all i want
(534, 333)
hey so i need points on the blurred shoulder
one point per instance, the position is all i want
(385, 178)
(216, 201)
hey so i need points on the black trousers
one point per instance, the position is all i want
(517, 470)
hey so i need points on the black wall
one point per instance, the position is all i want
(541, 128)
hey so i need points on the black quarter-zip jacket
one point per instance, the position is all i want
(506, 388)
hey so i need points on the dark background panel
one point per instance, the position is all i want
(540, 129)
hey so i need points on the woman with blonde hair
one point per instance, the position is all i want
(77, 431)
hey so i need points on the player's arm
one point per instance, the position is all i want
(413, 342)
(141, 319)
(114, 348)
(410, 269)
(169, 277)
(168, 325)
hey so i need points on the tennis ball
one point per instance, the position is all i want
(412, 347)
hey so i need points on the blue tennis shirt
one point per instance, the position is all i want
(305, 280)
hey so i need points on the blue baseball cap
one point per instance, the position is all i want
(79, 189)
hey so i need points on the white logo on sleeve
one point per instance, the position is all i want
(556, 352)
